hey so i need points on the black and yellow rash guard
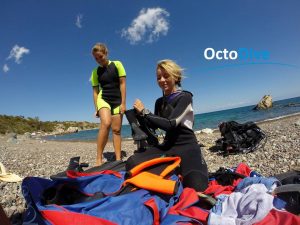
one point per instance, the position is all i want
(108, 79)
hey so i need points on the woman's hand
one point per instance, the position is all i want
(138, 105)
(96, 114)
(122, 108)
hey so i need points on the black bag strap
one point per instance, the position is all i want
(290, 193)
(291, 177)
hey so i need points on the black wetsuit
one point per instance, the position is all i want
(109, 80)
(174, 114)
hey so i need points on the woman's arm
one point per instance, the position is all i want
(95, 97)
(123, 94)
(180, 113)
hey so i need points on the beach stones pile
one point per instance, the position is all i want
(12, 200)
(29, 157)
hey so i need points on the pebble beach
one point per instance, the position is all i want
(36, 157)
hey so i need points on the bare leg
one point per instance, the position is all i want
(105, 123)
(116, 129)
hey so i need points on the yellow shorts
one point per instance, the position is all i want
(101, 103)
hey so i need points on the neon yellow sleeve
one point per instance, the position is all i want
(120, 69)
(94, 78)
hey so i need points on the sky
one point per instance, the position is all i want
(234, 52)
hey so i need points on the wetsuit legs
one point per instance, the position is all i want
(193, 166)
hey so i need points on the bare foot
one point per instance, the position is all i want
(98, 162)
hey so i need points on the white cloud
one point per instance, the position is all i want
(149, 25)
(17, 53)
(5, 68)
(78, 22)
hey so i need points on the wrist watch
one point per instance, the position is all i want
(145, 112)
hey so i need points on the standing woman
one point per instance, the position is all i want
(174, 114)
(109, 93)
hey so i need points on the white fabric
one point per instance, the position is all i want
(246, 207)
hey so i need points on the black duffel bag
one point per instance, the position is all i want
(240, 138)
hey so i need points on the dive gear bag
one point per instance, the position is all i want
(240, 138)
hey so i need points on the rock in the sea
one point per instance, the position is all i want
(292, 105)
(265, 103)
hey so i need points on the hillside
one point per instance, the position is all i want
(21, 125)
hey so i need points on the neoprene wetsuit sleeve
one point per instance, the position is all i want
(94, 78)
(120, 68)
(182, 108)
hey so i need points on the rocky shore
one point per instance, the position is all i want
(31, 157)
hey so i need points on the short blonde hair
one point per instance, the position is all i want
(100, 47)
(173, 69)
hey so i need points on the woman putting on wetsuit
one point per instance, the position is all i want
(109, 93)
(174, 114)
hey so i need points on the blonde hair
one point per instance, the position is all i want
(173, 69)
(100, 47)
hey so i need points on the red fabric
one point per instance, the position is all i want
(243, 169)
(74, 174)
(187, 198)
(71, 218)
(214, 189)
(277, 217)
(151, 203)
(184, 206)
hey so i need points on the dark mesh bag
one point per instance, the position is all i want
(240, 138)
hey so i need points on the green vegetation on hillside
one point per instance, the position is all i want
(21, 125)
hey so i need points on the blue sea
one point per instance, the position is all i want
(207, 120)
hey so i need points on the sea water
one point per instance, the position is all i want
(207, 120)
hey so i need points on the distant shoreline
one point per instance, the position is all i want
(214, 130)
